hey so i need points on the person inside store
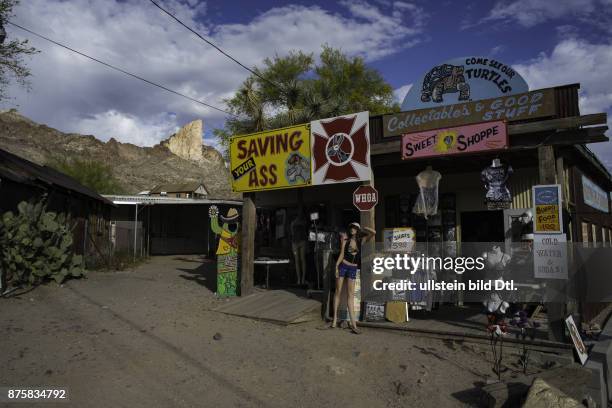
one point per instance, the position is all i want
(347, 268)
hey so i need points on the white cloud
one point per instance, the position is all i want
(498, 49)
(400, 93)
(529, 13)
(72, 93)
(574, 60)
(141, 131)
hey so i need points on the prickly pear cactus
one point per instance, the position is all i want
(36, 245)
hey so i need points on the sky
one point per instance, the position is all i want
(549, 42)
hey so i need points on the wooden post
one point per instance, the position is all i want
(249, 223)
(555, 305)
(367, 219)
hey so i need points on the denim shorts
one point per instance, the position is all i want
(347, 271)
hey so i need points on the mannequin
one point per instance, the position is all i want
(427, 201)
(496, 261)
(298, 246)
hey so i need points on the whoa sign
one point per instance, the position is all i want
(461, 139)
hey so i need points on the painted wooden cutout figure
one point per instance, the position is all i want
(227, 251)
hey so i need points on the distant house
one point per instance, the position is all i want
(185, 190)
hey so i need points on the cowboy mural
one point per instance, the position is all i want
(227, 250)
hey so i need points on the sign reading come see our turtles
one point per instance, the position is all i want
(269, 160)
(462, 80)
(468, 90)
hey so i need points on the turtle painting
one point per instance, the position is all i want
(445, 78)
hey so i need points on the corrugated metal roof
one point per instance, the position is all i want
(20, 170)
(177, 188)
(141, 200)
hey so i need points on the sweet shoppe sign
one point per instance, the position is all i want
(461, 139)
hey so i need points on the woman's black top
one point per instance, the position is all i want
(352, 257)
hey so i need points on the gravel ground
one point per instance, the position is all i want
(148, 338)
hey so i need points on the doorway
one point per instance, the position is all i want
(482, 226)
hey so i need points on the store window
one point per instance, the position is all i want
(438, 229)
(594, 229)
(585, 234)
(604, 236)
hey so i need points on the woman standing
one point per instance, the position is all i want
(347, 267)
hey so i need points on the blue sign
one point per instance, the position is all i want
(546, 195)
(462, 80)
(595, 196)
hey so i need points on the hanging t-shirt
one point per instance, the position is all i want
(498, 196)
(427, 201)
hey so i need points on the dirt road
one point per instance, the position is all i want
(144, 338)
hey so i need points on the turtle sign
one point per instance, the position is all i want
(463, 80)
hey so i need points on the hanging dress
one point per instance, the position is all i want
(427, 201)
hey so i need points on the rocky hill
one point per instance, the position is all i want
(180, 158)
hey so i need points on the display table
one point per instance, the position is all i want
(269, 261)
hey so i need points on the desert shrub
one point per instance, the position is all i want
(93, 174)
(36, 245)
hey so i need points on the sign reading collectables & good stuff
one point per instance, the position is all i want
(528, 105)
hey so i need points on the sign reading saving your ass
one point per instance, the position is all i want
(273, 159)
(461, 139)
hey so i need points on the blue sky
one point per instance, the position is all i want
(548, 42)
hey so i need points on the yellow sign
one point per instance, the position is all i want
(547, 203)
(547, 218)
(269, 160)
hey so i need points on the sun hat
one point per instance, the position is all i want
(232, 215)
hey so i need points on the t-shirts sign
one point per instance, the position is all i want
(400, 239)
(547, 209)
